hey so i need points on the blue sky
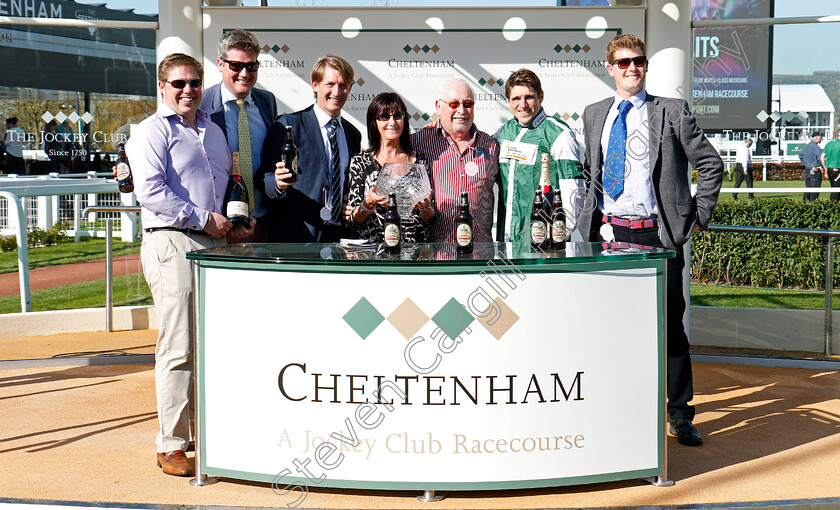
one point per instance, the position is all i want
(798, 49)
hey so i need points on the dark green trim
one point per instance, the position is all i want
(660, 349)
(658, 265)
(282, 482)
(370, 268)
(201, 360)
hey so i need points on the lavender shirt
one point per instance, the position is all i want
(180, 175)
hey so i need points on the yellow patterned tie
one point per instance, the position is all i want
(245, 165)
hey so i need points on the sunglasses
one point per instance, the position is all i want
(469, 103)
(179, 84)
(239, 66)
(624, 63)
(385, 116)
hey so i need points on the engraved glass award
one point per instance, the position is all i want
(410, 182)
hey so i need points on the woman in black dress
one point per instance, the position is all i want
(388, 134)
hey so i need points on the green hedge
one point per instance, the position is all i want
(763, 260)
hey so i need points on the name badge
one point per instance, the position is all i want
(518, 151)
(471, 168)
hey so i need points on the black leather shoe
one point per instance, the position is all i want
(686, 433)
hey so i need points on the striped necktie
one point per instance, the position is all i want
(246, 167)
(614, 168)
(335, 173)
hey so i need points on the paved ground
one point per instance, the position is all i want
(64, 274)
(86, 434)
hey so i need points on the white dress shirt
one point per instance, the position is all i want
(743, 155)
(344, 161)
(638, 199)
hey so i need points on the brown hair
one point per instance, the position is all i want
(524, 78)
(238, 40)
(175, 60)
(624, 41)
(339, 63)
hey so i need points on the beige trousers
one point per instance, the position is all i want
(170, 279)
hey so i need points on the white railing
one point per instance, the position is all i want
(47, 191)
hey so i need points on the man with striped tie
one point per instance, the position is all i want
(638, 150)
(312, 210)
(244, 113)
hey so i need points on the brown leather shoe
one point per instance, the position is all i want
(174, 463)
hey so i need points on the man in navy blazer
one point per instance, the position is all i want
(237, 60)
(313, 209)
(640, 192)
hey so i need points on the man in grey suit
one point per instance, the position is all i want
(238, 51)
(638, 148)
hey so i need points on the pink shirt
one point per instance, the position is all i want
(474, 171)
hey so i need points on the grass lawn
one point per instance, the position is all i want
(65, 253)
(754, 297)
(772, 184)
(132, 289)
(129, 290)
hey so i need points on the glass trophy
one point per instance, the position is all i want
(409, 181)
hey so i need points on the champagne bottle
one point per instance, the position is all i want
(289, 156)
(464, 226)
(124, 179)
(545, 179)
(539, 225)
(393, 227)
(236, 199)
(558, 223)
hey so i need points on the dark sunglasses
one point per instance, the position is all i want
(624, 63)
(239, 66)
(385, 116)
(179, 84)
(469, 103)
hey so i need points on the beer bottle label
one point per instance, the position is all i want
(392, 234)
(235, 208)
(122, 171)
(463, 234)
(558, 231)
(537, 232)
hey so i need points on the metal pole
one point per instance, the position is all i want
(109, 277)
(17, 210)
(430, 496)
(109, 255)
(77, 203)
(829, 294)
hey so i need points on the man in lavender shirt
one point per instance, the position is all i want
(181, 166)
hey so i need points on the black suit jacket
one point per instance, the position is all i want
(675, 141)
(295, 217)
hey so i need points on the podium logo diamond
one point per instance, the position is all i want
(408, 318)
(363, 318)
(453, 318)
(498, 323)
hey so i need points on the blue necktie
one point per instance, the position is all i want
(616, 152)
(335, 173)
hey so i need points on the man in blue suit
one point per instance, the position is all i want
(312, 210)
(237, 60)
